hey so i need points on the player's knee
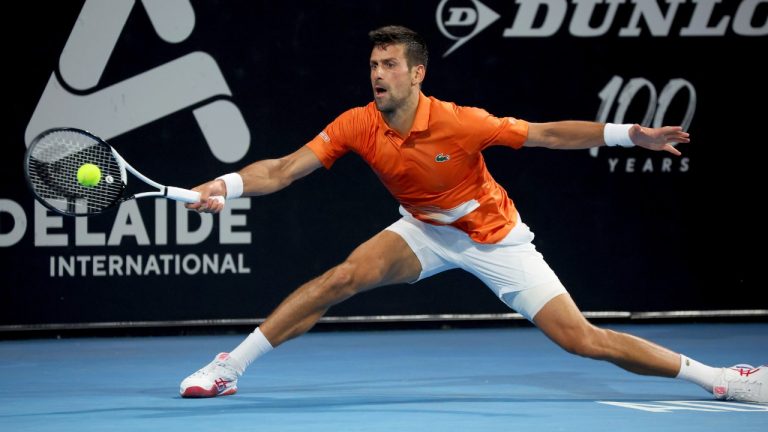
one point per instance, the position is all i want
(585, 342)
(341, 282)
(346, 280)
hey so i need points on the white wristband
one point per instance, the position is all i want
(617, 135)
(234, 184)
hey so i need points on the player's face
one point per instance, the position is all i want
(392, 81)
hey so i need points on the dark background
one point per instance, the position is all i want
(620, 241)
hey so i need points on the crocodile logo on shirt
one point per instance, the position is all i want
(442, 157)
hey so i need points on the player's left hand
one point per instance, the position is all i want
(658, 139)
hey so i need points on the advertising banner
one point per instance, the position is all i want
(190, 90)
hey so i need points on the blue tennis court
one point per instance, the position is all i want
(417, 380)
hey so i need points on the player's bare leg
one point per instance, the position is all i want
(385, 259)
(561, 320)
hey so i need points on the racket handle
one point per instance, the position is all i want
(186, 195)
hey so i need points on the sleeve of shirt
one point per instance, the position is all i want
(485, 130)
(339, 137)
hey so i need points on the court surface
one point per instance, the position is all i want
(426, 380)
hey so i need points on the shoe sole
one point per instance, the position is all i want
(200, 392)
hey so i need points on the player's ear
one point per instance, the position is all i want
(419, 72)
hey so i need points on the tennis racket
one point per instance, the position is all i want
(51, 167)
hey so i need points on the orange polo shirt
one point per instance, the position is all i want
(437, 172)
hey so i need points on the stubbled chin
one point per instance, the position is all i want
(381, 106)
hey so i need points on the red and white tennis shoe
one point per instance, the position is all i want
(743, 383)
(217, 378)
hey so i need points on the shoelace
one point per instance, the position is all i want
(208, 370)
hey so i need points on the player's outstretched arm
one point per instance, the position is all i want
(573, 135)
(259, 178)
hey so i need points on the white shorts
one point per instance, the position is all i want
(512, 268)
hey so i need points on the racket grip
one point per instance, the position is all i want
(186, 195)
(183, 195)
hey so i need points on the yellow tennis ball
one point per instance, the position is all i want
(88, 175)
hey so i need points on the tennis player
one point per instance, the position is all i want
(428, 153)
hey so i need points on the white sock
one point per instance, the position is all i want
(697, 373)
(253, 347)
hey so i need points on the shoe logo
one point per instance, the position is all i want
(720, 391)
(221, 384)
(746, 371)
(442, 157)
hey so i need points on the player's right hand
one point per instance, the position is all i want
(210, 197)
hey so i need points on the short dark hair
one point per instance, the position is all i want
(415, 48)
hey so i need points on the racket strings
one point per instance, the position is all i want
(53, 164)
